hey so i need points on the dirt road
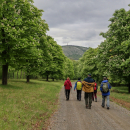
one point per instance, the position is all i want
(72, 115)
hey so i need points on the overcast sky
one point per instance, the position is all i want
(79, 22)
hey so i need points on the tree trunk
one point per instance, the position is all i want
(53, 79)
(129, 87)
(4, 74)
(47, 78)
(27, 78)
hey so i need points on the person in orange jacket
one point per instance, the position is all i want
(68, 86)
(88, 85)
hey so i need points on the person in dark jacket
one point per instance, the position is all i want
(88, 85)
(78, 86)
(105, 94)
(68, 86)
(95, 91)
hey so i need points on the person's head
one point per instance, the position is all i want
(78, 78)
(89, 75)
(68, 78)
(104, 78)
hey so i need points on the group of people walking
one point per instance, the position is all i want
(89, 86)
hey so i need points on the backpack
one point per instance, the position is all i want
(105, 88)
(79, 85)
(95, 88)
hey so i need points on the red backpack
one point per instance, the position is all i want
(95, 88)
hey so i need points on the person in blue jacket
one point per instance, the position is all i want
(105, 94)
(78, 86)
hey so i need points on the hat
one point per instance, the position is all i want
(89, 74)
(78, 78)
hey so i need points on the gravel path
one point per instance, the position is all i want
(72, 115)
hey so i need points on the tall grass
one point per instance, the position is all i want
(27, 105)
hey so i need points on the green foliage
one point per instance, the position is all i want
(76, 70)
(115, 50)
(112, 57)
(24, 43)
(68, 68)
(89, 63)
(20, 25)
(53, 59)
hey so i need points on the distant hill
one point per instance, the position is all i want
(74, 52)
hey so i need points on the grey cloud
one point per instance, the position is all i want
(75, 11)
(79, 21)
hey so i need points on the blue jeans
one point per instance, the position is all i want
(103, 100)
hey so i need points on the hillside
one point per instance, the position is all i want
(74, 52)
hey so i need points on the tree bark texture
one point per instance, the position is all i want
(4, 74)
(27, 78)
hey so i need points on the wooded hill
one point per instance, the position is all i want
(74, 52)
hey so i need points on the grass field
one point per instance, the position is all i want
(121, 93)
(27, 106)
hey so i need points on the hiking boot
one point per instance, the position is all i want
(89, 107)
(107, 107)
(96, 100)
(102, 106)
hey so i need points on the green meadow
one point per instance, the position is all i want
(120, 93)
(27, 105)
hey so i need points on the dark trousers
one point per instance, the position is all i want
(67, 92)
(78, 94)
(94, 95)
(88, 99)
